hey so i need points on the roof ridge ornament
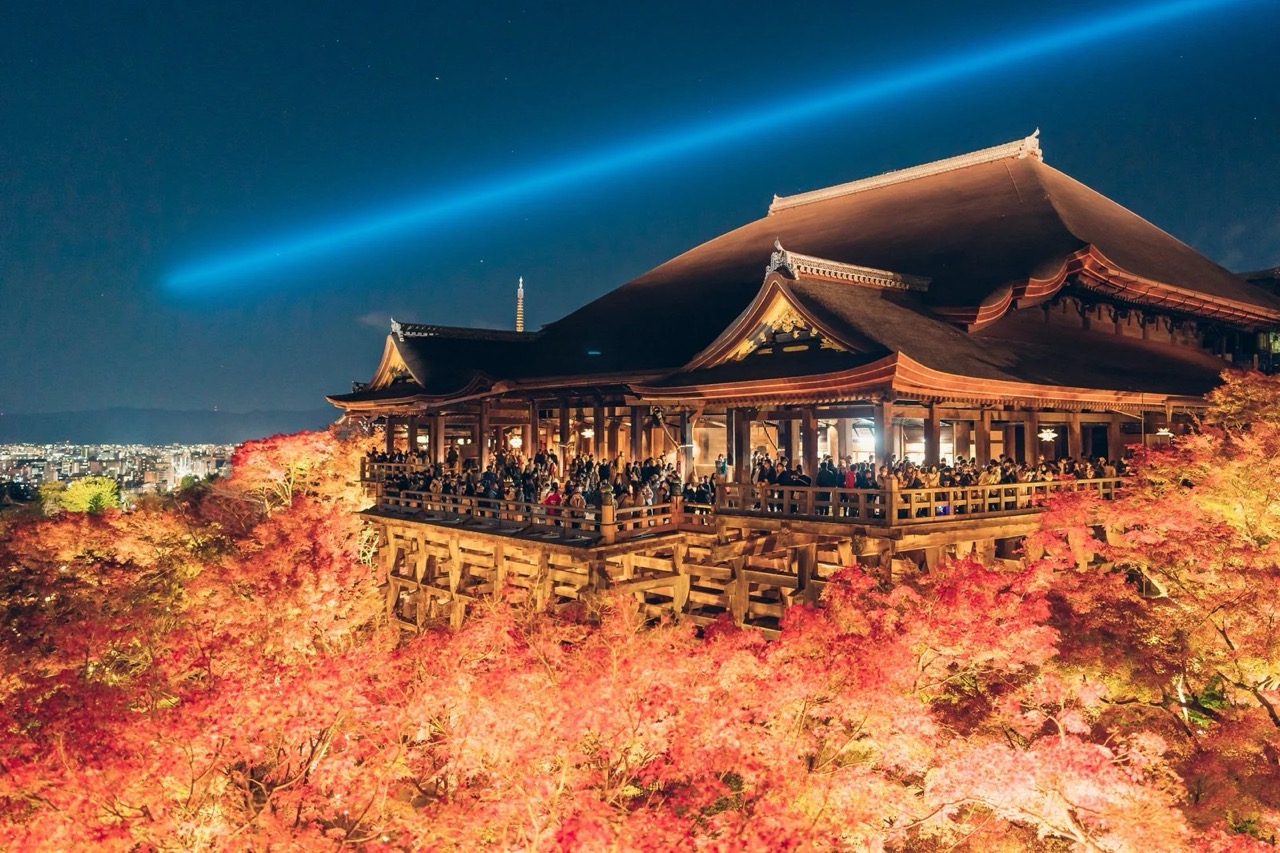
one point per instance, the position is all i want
(795, 265)
(1020, 149)
(781, 260)
(397, 329)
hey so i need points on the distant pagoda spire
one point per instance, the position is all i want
(520, 305)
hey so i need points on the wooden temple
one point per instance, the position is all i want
(978, 306)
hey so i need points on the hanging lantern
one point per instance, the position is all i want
(1047, 434)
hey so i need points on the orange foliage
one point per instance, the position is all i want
(188, 678)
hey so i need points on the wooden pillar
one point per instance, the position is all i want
(597, 429)
(685, 453)
(1031, 432)
(1086, 441)
(809, 441)
(411, 431)
(1075, 438)
(437, 438)
(615, 424)
(1011, 440)
(637, 431)
(534, 439)
(563, 449)
(982, 437)
(932, 436)
(1115, 439)
(882, 423)
(731, 437)
(742, 445)
(844, 428)
(959, 439)
(482, 452)
(390, 436)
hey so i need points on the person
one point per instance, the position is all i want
(552, 502)
(722, 466)
(577, 505)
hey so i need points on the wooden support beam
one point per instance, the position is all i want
(731, 440)
(960, 438)
(598, 436)
(1010, 440)
(685, 450)
(805, 561)
(742, 445)
(809, 441)
(844, 431)
(437, 438)
(564, 451)
(982, 437)
(534, 438)
(882, 417)
(482, 450)
(739, 591)
(1115, 439)
(932, 437)
(773, 543)
(1031, 436)
(411, 433)
(637, 433)
(390, 436)
(1075, 440)
(615, 425)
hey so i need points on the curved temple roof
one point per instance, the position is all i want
(973, 238)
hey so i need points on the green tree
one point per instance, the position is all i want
(91, 494)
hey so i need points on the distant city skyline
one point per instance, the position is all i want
(136, 143)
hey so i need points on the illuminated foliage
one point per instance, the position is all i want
(218, 673)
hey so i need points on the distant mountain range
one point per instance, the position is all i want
(156, 426)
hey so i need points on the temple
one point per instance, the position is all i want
(985, 305)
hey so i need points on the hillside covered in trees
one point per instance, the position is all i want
(216, 671)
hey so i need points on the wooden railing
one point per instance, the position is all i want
(377, 472)
(609, 523)
(879, 507)
(884, 507)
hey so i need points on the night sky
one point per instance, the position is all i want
(141, 143)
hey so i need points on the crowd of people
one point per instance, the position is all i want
(584, 481)
(771, 478)
(544, 479)
(905, 474)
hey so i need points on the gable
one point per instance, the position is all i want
(775, 322)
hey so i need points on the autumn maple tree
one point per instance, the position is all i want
(218, 672)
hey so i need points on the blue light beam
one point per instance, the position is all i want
(236, 268)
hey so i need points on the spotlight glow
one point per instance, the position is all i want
(237, 267)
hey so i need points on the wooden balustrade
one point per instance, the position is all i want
(885, 507)
(609, 522)
(377, 472)
(879, 507)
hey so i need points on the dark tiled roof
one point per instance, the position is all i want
(973, 231)
(398, 391)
